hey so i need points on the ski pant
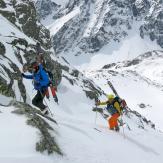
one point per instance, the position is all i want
(113, 121)
(38, 100)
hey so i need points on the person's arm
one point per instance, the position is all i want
(27, 76)
(102, 103)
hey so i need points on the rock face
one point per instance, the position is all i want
(153, 26)
(19, 13)
(23, 51)
(46, 7)
(36, 119)
(24, 31)
(100, 22)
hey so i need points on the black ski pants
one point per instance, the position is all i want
(38, 100)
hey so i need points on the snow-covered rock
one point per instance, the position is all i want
(102, 22)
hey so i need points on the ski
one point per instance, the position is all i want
(97, 130)
(113, 89)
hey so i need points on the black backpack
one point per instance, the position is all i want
(50, 75)
(51, 78)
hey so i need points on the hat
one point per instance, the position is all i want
(110, 96)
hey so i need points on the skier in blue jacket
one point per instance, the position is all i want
(41, 81)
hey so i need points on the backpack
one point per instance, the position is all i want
(122, 103)
(112, 110)
(49, 73)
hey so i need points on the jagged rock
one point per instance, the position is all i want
(70, 80)
(2, 49)
(31, 27)
(22, 49)
(75, 73)
(46, 7)
(112, 21)
(5, 88)
(2, 4)
(133, 62)
(92, 92)
(109, 66)
(153, 26)
(142, 105)
(9, 15)
(47, 142)
(70, 36)
(19, 41)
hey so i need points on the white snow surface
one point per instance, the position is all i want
(55, 26)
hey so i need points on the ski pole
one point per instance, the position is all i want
(123, 128)
(96, 100)
(46, 104)
(96, 115)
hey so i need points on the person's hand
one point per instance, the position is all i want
(22, 75)
(25, 68)
(97, 103)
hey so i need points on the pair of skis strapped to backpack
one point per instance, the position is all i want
(122, 102)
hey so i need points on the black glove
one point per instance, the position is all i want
(22, 74)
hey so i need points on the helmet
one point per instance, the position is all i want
(110, 96)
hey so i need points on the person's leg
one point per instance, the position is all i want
(38, 100)
(47, 94)
(113, 121)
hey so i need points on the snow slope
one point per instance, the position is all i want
(81, 143)
(55, 26)
(137, 83)
(18, 139)
(77, 137)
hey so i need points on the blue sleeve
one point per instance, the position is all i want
(27, 76)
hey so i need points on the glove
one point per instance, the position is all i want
(97, 103)
(22, 75)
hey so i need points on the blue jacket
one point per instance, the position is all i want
(40, 78)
